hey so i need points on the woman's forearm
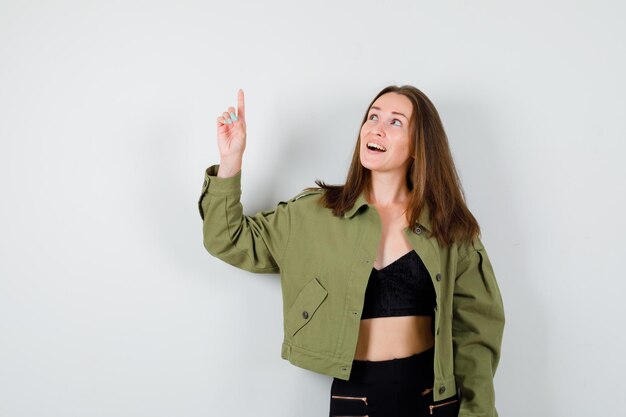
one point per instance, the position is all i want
(229, 166)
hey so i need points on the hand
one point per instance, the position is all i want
(231, 133)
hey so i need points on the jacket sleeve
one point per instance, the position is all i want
(477, 329)
(253, 243)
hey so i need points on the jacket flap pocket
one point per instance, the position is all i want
(305, 305)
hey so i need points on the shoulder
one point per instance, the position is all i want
(305, 203)
(467, 248)
(307, 192)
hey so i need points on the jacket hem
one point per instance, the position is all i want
(315, 362)
(448, 385)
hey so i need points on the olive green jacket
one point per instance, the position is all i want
(325, 262)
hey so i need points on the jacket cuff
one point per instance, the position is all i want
(221, 186)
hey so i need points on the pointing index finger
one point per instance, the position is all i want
(241, 113)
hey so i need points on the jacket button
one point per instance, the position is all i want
(442, 389)
(417, 230)
(305, 314)
(438, 277)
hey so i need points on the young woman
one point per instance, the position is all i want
(386, 284)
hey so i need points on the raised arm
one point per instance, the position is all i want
(253, 243)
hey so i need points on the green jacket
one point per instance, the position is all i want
(325, 262)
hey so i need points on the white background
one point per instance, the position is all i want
(110, 305)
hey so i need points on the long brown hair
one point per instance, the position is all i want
(431, 176)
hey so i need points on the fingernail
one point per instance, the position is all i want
(233, 116)
(228, 121)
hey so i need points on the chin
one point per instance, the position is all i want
(369, 166)
(364, 164)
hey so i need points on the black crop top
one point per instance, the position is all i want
(402, 288)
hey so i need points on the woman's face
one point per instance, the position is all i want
(387, 125)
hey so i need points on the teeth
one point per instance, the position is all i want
(375, 145)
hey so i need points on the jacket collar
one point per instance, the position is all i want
(424, 217)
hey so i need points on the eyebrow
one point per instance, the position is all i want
(393, 112)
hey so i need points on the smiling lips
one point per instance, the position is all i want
(376, 147)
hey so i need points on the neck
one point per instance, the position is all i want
(388, 189)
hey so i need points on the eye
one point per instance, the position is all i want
(394, 120)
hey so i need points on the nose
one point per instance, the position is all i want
(378, 130)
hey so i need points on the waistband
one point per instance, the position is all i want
(417, 368)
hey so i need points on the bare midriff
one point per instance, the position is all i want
(383, 338)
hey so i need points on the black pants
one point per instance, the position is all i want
(400, 387)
